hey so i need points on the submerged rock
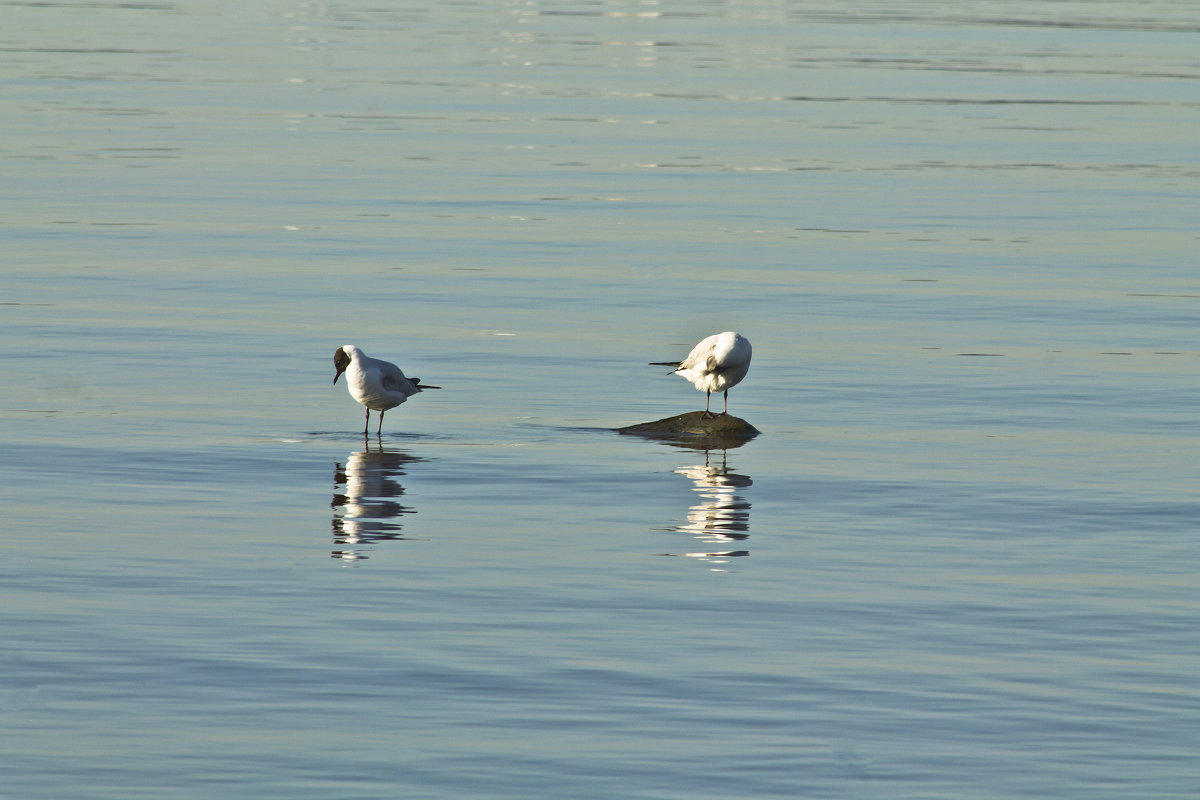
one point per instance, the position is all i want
(693, 430)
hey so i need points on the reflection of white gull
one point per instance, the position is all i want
(716, 364)
(376, 384)
(722, 514)
(368, 510)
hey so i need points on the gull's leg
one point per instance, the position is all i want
(707, 414)
(726, 411)
(367, 423)
(380, 431)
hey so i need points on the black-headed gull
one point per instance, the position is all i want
(718, 363)
(376, 384)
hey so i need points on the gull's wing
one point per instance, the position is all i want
(702, 355)
(392, 378)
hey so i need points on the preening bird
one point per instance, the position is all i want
(716, 364)
(376, 384)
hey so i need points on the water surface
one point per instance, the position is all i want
(959, 561)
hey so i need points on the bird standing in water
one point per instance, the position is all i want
(376, 384)
(716, 364)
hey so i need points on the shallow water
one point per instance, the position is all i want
(960, 561)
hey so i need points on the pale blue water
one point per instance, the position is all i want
(959, 562)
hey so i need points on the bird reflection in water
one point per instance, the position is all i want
(722, 517)
(365, 505)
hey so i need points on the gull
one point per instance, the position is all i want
(374, 383)
(716, 364)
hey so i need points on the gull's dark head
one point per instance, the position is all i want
(341, 360)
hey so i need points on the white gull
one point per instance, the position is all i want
(716, 364)
(376, 384)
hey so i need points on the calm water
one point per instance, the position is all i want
(960, 561)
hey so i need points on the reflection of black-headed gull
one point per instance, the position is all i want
(376, 384)
(718, 363)
(366, 507)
